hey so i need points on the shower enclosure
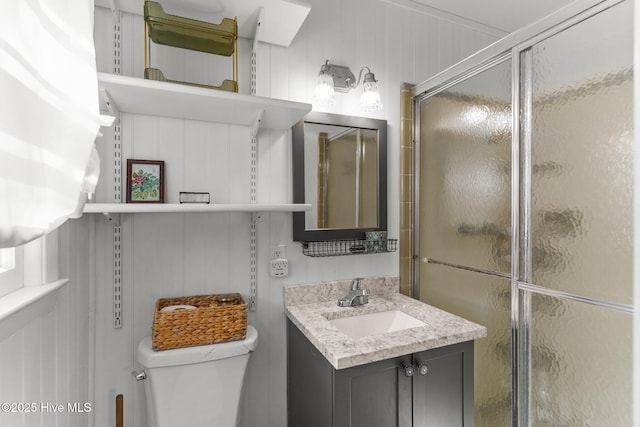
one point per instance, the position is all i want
(523, 220)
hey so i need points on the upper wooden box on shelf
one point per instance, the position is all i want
(279, 24)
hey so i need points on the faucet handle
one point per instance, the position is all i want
(355, 283)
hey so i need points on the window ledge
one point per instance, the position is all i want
(19, 308)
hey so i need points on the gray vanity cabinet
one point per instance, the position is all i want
(439, 393)
(443, 395)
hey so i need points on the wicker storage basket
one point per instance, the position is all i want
(216, 319)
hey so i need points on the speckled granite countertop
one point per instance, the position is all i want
(311, 306)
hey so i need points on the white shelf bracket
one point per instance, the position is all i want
(110, 105)
(112, 218)
(115, 10)
(256, 124)
(255, 217)
(256, 38)
(254, 52)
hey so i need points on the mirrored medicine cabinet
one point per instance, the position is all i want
(340, 168)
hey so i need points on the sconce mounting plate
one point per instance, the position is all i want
(343, 78)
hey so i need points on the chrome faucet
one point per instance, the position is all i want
(356, 295)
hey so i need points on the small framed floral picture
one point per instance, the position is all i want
(145, 181)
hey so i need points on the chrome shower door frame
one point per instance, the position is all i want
(515, 47)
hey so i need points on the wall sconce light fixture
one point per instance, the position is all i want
(334, 78)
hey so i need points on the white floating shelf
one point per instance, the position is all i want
(155, 98)
(280, 23)
(116, 208)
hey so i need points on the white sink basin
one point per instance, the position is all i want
(376, 323)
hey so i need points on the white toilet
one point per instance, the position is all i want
(195, 386)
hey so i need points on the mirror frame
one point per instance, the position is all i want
(300, 234)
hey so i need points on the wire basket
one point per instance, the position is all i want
(348, 247)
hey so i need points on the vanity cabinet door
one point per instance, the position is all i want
(309, 383)
(374, 395)
(379, 394)
(443, 387)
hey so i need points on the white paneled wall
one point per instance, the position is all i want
(48, 360)
(179, 254)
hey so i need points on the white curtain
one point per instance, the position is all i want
(49, 115)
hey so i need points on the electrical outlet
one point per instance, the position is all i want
(279, 267)
(279, 252)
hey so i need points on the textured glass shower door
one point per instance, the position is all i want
(549, 273)
(576, 265)
(464, 222)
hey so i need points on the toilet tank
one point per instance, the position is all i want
(195, 386)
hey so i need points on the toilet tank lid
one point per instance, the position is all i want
(149, 358)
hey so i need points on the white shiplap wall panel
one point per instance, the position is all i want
(104, 145)
(429, 48)
(264, 166)
(12, 384)
(48, 364)
(158, 269)
(77, 315)
(103, 39)
(279, 225)
(132, 59)
(258, 387)
(47, 359)
(31, 354)
(281, 86)
(201, 151)
(351, 22)
(469, 44)
(239, 163)
(64, 333)
(296, 65)
(448, 35)
(62, 369)
(422, 37)
(263, 73)
(279, 152)
(244, 66)
(158, 264)
(177, 254)
(237, 235)
(103, 315)
(206, 266)
(170, 147)
(206, 166)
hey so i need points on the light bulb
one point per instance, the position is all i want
(370, 99)
(324, 94)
